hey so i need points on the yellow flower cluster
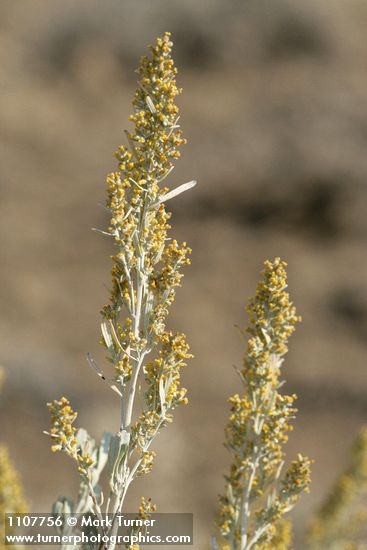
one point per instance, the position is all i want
(145, 429)
(146, 463)
(139, 221)
(281, 538)
(163, 394)
(164, 372)
(341, 518)
(259, 423)
(297, 479)
(272, 321)
(11, 493)
(146, 508)
(62, 430)
(63, 434)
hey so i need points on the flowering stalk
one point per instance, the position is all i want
(344, 513)
(11, 491)
(146, 357)
(257, 495)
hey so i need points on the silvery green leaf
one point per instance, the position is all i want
(82, 438)
(177, 191)
(266, 335)
(150, 105)
(100, 457)
(85, 502)
(101, 374)
(238, 371)
(118, 448)
(162, 396)
(63, 505)
(104, 450)
(270, 500)
(113, 451)
(279, 470)
(101, 232)
(148, 308)
(106, 335)
(98, 493)
(272, 400)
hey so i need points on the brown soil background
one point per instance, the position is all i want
(275, 112)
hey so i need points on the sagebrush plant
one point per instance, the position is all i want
(257, 492)
(145, 356)
(145, 360)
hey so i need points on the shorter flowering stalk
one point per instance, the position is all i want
(257, 495)
(344, 513)
(145, 511)
(63, 434)
(282, 539)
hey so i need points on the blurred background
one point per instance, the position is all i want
(275, 112)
